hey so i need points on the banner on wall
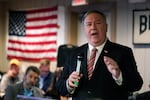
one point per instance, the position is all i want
(141, 26)
(33, 34)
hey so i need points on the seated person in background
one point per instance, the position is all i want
(26, 87)
(47, 80)
(11, 76)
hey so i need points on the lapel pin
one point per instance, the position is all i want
(105, 51)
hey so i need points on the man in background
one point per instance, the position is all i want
(11, 76)
(26, 87)
(47, 80)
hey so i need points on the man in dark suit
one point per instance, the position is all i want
(26, 87)
(114, 73)
(47, 80)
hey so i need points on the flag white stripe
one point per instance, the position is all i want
(43, 30)
(32, 47)
(32, 55)
(41, 23)
(33, 39)
(38, 15)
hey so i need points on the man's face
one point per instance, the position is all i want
(15, 70)
(44, 70)
(95, 28)
(31, 78)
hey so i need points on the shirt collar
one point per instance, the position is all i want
(97, 47)
(28, 92)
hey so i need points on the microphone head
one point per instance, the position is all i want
(80, 57)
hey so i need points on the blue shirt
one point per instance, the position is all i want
(28, 92)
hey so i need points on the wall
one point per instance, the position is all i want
(1, 34)
(3, 61)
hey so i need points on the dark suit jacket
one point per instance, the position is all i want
(17, 89)
(63, 52)
(48, 81)
(102, 86)
(49, 86)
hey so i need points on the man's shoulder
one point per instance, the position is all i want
(5, 77)
(84, 45)
(16, 86)
(120, 46)
(81, 48)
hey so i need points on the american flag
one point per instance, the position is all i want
(33, 34)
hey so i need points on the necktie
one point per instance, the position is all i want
(91, 63)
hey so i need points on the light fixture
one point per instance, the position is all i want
(79, 2)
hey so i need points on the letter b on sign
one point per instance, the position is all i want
(144, 23)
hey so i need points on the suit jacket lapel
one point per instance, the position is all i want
(84, 62)
(105, 52)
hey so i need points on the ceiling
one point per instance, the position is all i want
(68, 3)
(93, 1)
(72, 0)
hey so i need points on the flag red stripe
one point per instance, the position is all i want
(32, 43)
(41, 18)
(43, 34)
(42, 26)
(42, 10)
(31, 59)
(32, 51)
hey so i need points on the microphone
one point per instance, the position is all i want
(78, 68)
